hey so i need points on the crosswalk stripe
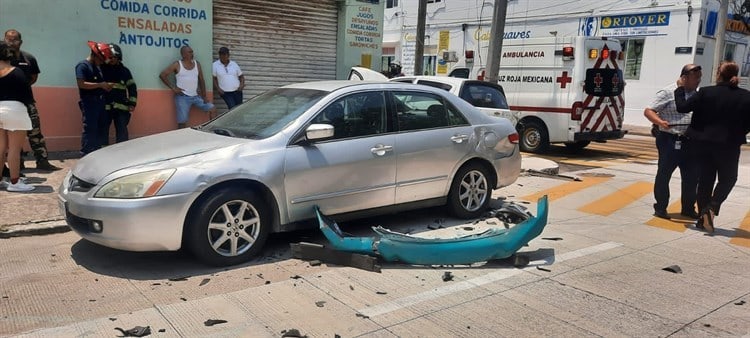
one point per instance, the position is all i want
(566, 189)
(622, 197)
(674, 224)
(742, 234)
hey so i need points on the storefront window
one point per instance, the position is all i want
(385, 63)
(729, 51)
(633, 49)
(429, 64)
(391, 3)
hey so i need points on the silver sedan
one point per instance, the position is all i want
(352, 148)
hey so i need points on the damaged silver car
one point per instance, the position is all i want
(352, 149)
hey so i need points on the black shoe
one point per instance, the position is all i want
(661, 214)
(690, 214)
(44, 164)
(707, 218)
(6, 171)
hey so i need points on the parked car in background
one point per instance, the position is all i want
(488, 97)
(353, 149)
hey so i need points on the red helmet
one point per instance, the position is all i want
(101, 49)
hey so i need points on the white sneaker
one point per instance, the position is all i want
(4, 182)
(20, 186)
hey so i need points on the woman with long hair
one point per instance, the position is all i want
(15, 94)
(721, 119)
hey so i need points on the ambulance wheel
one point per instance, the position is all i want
(576, 146)
(534, 136)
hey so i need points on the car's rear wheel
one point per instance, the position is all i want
(534, 136)
(470, 191)
(576, 146)
(229, 227)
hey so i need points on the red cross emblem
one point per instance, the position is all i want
(564, 79)
(615, 80)
(598, 80)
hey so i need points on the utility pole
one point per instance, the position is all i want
(496, 43)
(720, 34)
(419, 52)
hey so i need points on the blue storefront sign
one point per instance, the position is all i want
(635, 20)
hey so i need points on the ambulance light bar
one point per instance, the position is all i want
(567, 53)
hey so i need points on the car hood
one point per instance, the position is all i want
(150, 149)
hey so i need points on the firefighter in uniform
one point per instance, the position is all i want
(121, 100)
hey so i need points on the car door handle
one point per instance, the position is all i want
(459, 138)
(380, 149)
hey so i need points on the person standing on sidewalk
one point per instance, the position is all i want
(673, 146)
(91, 88)
(717, 131)
(228, 79)
(188, 82)
(27, 63)
(121, 100)
(15, 95)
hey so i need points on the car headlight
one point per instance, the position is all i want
(145, 184)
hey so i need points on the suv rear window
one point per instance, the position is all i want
(604, 82)
(460, 73)
(483, 96)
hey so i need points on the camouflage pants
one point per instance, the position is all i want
(36, 139)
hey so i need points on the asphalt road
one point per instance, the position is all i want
(598, 269)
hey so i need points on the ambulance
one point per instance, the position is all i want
(560, 89)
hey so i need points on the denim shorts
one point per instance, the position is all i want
(183, 103)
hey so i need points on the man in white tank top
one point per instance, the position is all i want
(189, 87)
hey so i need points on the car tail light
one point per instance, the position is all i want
(480, 76)
(576, 111)
(568, 53)
(513, 138)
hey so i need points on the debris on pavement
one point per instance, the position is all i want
(204, 281)
(673, 269)
(315, 262)
(552, 238)
(292, 333)
(742, 302)
(538, 173)
(312, 251)
(381, 293)
(543, 269)
(447, 276)
(320, 303)
(212, 322)
(179, 279)
(138, 331)
(362, 315)
(493, 243)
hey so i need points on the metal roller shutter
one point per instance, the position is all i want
(277, 42)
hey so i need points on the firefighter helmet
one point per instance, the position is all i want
(101, 50)
(116, 51)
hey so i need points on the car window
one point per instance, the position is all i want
(483, 96)
(460, 73)
(443, 86)
(417, 111)
(355, 115)
(266, 114)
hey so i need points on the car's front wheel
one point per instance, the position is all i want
(470, 191)
(227, 228)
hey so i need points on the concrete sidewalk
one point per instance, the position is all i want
(38, 212)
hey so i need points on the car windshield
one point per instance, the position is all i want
(265, 114)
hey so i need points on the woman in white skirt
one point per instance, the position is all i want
(15, 93)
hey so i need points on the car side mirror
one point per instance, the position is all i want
(319, 131)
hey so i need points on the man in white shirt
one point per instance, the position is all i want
(189, 88)
(228, 79)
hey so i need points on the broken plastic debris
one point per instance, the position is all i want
(178, 279)
(204, 281)
(292, 333)
(320, 303)
(447, 276)
(552, 238)
(212, 322)
(543, 269)
(138, 331)
(742, 302)
(673, 269)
